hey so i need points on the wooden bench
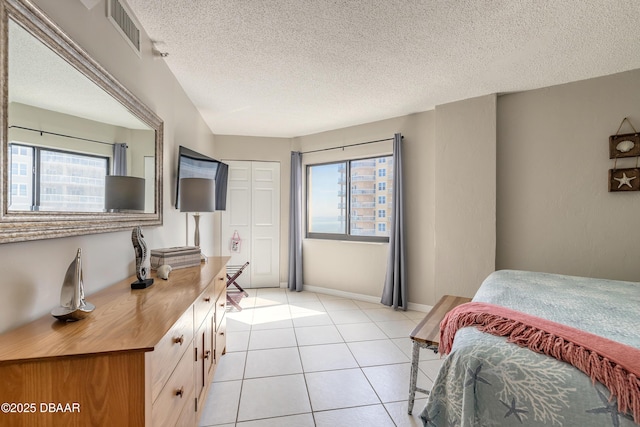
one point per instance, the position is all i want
(427, 335)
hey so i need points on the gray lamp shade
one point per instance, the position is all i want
(197, 195)
(124, 193)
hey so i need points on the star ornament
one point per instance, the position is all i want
(625, 180)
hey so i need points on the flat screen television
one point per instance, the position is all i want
(195, 165)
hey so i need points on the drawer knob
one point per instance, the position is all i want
(207, 299)
(221, 334)
(207, 354)
(222, 304)
(179, 340)
(180, 392)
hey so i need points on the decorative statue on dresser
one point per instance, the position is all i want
(72, 304)
(143, 264)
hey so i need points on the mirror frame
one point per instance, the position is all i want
(16, 226)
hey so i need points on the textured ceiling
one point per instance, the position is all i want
(295, 67)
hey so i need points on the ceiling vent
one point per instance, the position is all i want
(122, 18)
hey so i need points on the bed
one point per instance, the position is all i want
(487, 381)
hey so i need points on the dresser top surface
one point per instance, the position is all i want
(124, 319)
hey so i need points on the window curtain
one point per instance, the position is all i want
(295, 223)
(120, 159)
(394, 292)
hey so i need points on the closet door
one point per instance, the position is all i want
(237, 217)
(253, 210)
(265, 225)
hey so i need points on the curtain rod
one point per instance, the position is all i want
(345, 146)
(62, 135)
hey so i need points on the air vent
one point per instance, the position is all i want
(121, 17)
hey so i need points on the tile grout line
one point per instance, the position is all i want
(291, 317)
(304, 376)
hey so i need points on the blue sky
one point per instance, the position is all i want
(324, 190)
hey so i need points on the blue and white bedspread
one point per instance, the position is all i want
(486, 381)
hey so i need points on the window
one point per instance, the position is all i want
(66, 181)
(382, 186)
(326, 198)
(382, 213)
(382, 227)
(19, 169)
(382, 172)
(341, 199)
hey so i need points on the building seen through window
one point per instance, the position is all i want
(350, 199)
(51, 180)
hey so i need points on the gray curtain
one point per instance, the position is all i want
(295, 223)
(119, 159)
(395, 291)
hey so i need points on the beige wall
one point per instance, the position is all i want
(554, 211)
(465, 202)
(32, 272)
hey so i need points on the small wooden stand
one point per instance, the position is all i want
(427, 335)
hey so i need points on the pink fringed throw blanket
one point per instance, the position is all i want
(615, 365)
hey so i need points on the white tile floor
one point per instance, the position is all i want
(306, 359)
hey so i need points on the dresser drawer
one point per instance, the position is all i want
(221, 339)
(177, 396)
(204, 304)
(221, 308)
(187, 417)
(169, 350)
(220, 282)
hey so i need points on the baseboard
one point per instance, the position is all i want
(420, 307)
(343, 294)
(424, 308)
(360, 297)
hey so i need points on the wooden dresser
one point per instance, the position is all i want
(142, 358)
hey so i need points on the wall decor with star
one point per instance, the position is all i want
(620, 146)
(624, 179)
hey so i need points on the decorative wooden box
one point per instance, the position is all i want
(176, 257)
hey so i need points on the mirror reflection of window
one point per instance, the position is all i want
(56, 180)
(21, 182)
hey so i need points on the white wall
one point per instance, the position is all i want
(554, 211)
(32, 272)
(465, 202)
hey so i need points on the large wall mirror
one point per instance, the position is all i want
(66, 125)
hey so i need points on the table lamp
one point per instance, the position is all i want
(197, 195)
(123, 193)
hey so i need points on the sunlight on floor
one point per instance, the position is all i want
(309, 359)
